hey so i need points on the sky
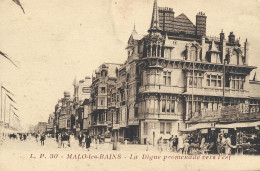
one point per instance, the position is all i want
(56, 40)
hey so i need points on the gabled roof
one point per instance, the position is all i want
(213, 47)
(182, 16)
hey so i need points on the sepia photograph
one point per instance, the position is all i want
(129, 85)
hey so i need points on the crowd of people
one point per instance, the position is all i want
(196, 143)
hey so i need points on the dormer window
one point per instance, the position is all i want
(103, 73)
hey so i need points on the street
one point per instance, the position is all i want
(29, 154)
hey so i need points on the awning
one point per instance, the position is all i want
(239, 125)
(198, 126)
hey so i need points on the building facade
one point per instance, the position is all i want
(174, 77)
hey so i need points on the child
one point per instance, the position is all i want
(185, 147)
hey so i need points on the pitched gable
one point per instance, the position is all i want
(183, 24)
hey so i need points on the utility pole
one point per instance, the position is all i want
(192, 96)
(224, 82)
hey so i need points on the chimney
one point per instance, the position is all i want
(231, 38)
(201, 24)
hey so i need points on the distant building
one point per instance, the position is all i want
(41, 127)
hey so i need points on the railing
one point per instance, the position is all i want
(158, 116)
(160, 88)
(218, 91)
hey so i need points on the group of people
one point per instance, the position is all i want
(191, 144)
(215, 144)
(84, 141)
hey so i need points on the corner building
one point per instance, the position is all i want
(176, 76)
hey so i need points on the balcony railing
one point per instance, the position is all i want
(160, 89)
(218, 91)
(159, 116)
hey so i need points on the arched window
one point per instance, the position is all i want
(193, 51)
(234, 58)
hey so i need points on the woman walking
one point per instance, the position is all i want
(88, 141)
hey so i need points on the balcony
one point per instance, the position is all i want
(217, 91)
(104, 107)
(133, 121)
(122, 123)
(159, 116)
(160, 89)
(100, 123)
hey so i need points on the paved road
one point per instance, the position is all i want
(30, 155)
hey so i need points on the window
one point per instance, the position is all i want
(163, 105)
(168, 106)
(101, 102)
(197, 80)
(192, 53)
(103, 89)
(167, 78)
(237, 82)
(168, 128)
(173, 106)
(162, 126)
(214, 80)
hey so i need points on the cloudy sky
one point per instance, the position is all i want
(56, 40)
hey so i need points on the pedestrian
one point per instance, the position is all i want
(228, 145)
(170, 142)
(59, 140)
(180, 144)
(88, 141)
(42, 139)
(36, 137)
(83, 141)
(186, 147)
(80, 139)
(160, 143)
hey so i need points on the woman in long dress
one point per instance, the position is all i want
(228, 146)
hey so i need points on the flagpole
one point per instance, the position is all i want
(4, 109)
(9, 113)
(1, 102)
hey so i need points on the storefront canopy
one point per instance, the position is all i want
(239, 125)
(221, 126)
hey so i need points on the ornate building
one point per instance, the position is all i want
(176, 75)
